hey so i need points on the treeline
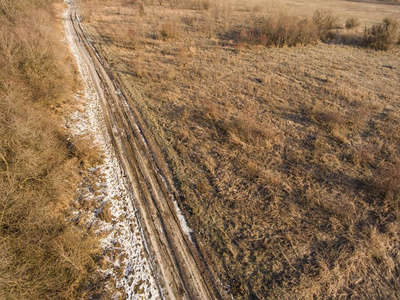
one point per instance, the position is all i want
(42, 255)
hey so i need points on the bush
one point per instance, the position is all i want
(326, 23)
(383, 35)
(281, 30)
(352, 23)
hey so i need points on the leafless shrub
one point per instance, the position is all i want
(280, 30)
(326, 23)
(85, 150)
(383, 35)
(283, 30)
(352, 23)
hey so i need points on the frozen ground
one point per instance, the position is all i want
(123, 242)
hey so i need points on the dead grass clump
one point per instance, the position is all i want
(171, 29)
(137, 67)
(39, 62)
(244, 129)
(36, 178)
(191, 4)
(362, 156)
(105, 212)
(352, 23)
(85, 150)
(387, 178)
(132, 38)
(332, 118)
(210, 112)
(383, 35)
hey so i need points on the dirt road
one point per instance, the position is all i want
(180, 272)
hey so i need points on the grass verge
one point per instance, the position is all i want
(42, 255)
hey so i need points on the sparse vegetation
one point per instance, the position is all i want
(352, 23)
(326, 23)
(286, 30)
(281, 30)
(170, 29)
(42, 255)
(286, 159)
(383, 35)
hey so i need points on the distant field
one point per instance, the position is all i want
(287, 159)
(368, 11)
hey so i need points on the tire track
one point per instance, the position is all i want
(180, 272)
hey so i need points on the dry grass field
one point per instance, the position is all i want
(42, 254)
(286, 159)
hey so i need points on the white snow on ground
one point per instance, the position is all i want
(185, 227)
(128, 263)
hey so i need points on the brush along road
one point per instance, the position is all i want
(177, 265)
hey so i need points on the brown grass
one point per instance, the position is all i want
(170, 29)
(285, 158)
(42, 256)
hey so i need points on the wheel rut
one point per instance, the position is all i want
(180, 272)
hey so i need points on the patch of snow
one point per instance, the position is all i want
(123, 242)
(184, 225)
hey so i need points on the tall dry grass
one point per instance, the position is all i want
(42, 255)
